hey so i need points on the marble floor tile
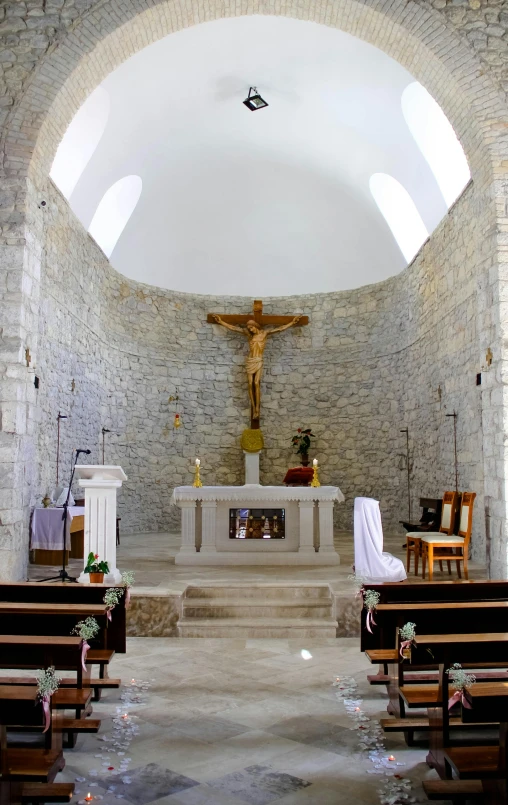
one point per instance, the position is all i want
(259, 784)
(316, 732)
(201, 795)
(149, 783)
(209, 729)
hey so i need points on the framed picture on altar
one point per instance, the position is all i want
(257, 523)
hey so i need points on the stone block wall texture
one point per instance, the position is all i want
(390, 358)
(372, 361)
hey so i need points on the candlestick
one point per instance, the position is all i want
(315, 477)
(197, 479)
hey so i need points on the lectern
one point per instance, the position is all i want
(100, 483)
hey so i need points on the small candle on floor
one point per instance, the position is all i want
(125, 715)
(88, 797)
(391, 757)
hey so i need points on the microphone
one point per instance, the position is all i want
(87, 452)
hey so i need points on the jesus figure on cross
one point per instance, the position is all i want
(257, 335)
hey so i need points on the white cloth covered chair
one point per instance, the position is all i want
(371, 562)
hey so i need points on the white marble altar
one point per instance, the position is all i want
(100, 483)
(205, 525)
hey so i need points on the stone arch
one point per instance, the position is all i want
(414, 35)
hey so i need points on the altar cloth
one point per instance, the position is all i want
(371, 562)
(46, 534)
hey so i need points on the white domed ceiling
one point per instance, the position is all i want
(184, 188)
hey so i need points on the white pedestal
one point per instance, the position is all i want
(100, 483)
(251, 468)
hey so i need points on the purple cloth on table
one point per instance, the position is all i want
(47, 528)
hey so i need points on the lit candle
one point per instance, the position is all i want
(125, 715)
(198, 462)
(315, 462)
(132, 681)
(391, 757)
(88, 797)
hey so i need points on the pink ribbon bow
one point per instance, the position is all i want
(403, 645)
(45, 708)
(84, 649)
(370, 620)
(460, 696)
(108, 612)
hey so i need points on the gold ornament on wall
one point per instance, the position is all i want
(252, 440)
(177, 420)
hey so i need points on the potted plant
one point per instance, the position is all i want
(95, 568)
(301, 443)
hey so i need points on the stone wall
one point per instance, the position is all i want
(373, 360)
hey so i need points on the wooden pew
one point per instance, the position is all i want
(454, 592)
(26, 618)
(19, 707)
(65, 654)
(14, 793)
(59, 593)
(464, 649)
(489, 703)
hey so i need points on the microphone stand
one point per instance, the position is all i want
(62, 574)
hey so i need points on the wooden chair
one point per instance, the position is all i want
(452, 547)
(414, 538)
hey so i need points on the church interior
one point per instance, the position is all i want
(253, 457)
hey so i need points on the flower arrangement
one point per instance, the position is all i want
(127, 578)
(407, 635)
(371, 599)
(461, 681)
(47, 684)
(86, 629)
(301, 443)
(95, 566)
(111, 599)
(127, 581)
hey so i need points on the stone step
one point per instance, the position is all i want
(302, 592)
(257, 627)
(255, 608)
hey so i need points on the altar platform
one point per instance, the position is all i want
(312, 601)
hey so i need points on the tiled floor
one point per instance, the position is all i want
(233, 722)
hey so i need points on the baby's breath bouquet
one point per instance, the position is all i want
(47, 684)
(371, 599)
(461, 681)
(111, 598)
(86, 629)
(407, 634)
(127, 581)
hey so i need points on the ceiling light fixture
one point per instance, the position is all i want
(254, 101)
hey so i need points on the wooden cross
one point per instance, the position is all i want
(258, 316)
(257, 328)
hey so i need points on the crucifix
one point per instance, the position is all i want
(256, 327)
